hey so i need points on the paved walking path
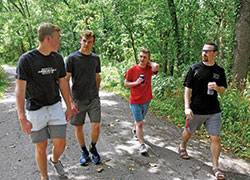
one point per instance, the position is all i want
(119, 151)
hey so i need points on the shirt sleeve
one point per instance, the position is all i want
(222, 80)
(98, 68)
(128, 76)
(68, 64)
(62, 67)
(22, 71)
(189, 82)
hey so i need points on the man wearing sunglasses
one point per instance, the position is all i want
(202, 84)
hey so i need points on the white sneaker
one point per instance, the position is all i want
(143, 149)
(57, 166)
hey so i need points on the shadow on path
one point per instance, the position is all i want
(119, 151)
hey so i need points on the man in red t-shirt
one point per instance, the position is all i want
(138, 79)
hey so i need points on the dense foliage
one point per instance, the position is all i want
(174, 31)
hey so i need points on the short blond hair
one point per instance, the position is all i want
(45, 29)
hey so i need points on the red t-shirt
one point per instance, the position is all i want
(141, 93)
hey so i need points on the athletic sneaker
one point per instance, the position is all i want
(95, 156)
(84, 160)
(57, 166)
(143, 149)
(134, 134)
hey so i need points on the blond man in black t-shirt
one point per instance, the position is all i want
(40, 75)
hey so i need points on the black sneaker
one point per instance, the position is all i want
(95, 156)
(134, 134)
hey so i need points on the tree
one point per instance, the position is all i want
(242, 47)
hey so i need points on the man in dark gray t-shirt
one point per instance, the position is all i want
(83, 67)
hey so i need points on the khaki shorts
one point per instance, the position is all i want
(47, 122)
(92, 107)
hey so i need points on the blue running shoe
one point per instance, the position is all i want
(84, 160)
(95, 156)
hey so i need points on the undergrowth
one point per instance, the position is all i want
(3, 82)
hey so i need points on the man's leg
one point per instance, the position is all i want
(215, 149)
(94, 138)
(41, 158)
(139, 131)
(79, 135)
(84, 160)
(185, 137)
(58, 148)
(95, 132)
(183, 146)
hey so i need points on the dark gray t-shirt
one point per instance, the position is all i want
(197, 79)
(42, 74)
(83, 69)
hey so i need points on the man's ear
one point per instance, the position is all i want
(216, 52)
(47, 38)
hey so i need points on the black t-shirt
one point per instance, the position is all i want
(197, 79)
(42, 74)
(83, 69)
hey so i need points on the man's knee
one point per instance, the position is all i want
(95, 126)
(139, 124)
(187, 132)
(78, 129)
(41, 147)
(59, 143)
(215, 138)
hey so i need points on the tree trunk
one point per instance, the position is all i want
(242, 47)
(163, 38)
(176, 32)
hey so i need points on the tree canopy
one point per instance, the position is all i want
(174, 30)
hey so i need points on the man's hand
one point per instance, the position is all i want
(139, 81)
(68, 114)
(74, 107)
(25, 125)
(189, 113)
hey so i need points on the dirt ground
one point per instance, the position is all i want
(121, 159)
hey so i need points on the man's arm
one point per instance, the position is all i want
(20, 103)
(132, 84)
(98, 80)
(154, 66)
(214, 86)
(73, 104)
(187, 95)
(65, 90)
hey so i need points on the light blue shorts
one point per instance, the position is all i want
(139, 110)
(212, 123)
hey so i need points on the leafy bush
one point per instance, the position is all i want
(3, 81)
